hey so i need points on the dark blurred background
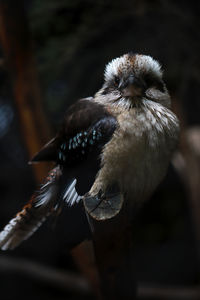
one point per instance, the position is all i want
(54, 52)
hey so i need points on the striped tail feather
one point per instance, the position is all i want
(33, 214)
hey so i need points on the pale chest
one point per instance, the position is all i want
(139, 152)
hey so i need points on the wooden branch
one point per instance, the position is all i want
(84, 257)
(67, 281)
(71, 282)
(113, 249)
(168, 292)
(17, 46)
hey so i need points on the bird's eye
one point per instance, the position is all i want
(116, 81)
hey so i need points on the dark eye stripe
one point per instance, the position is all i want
(154, 82)
(158, 84)
(110, 86)
(106, 91)
(116, 80)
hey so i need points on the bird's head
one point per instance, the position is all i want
(132, 78)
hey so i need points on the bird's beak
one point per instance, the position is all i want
(132, 87)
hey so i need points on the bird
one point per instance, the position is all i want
(112, 149)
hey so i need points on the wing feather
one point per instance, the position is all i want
(71, 196)
(33, 214)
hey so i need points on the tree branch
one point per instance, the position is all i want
(67, 281)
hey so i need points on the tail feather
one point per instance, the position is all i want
(33, 214)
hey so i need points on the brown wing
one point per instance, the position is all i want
(79, 122)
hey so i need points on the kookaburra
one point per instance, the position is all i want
(111, 149)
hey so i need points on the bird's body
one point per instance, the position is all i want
(113, 147)
(137, 160)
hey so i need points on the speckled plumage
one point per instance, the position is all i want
(111, 148)
(77, 147)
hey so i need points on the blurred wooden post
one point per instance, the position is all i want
(113, 248)
(84, 257)
(17, 47)
(187, 163)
